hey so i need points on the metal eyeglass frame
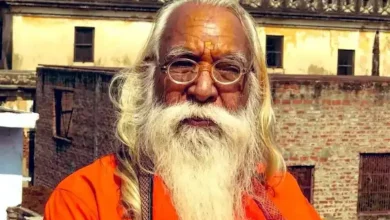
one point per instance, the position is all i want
(165, 68)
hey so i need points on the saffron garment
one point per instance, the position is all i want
(93, 193)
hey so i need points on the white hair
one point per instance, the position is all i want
(133, 93)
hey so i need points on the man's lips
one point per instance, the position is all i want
(198, 122)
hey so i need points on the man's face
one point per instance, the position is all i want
(208, 34)
(202, 135)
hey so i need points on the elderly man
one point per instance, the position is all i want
(196, 120)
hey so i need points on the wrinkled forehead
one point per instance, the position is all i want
(203, 28)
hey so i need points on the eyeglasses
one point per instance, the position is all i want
(184, 71)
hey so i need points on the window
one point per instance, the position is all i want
(304, 176)
(63, 112)
(346, 62)
(374, 183)
(84, 44)
(2, 99)
(274, 47)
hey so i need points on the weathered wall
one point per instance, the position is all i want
(92, 128)
(17, 92)
(117, 42)
(314, 50)
(327, 122)
(384, 46)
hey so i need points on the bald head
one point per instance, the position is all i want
(204, 34)
(201, 27)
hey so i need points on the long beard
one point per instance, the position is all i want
(206, 170)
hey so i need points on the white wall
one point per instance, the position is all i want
(11, 154)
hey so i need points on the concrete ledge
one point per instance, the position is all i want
(17, 119)
(326, 78)
(20, 213)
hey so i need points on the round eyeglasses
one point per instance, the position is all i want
(185, 71)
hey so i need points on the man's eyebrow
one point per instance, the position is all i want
(178, 51)
(236, 56)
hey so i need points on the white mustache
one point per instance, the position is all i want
(179, 112)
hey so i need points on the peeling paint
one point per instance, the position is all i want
(315, 51)
(115, 41)
(17, 61)
(317, 70)
(126, 61)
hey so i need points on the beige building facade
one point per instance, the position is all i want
(312, 50)
(293, 45)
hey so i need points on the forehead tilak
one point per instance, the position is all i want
(208, 45)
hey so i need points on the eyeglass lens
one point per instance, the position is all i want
(184, 70)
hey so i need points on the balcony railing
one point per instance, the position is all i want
(359, 9)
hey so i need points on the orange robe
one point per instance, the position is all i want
(93, 193)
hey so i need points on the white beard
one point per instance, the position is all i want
(206, 170)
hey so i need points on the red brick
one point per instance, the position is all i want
(297, 102)
(326, 102)
(336, 102)
(346, 102)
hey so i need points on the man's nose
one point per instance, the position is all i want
(203, 89)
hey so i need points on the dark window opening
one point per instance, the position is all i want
(84, 44)
(374, 183)
(346, 62)
(385, 3)
(305, 178)
(63, 112)
(365, 3)
(274, 47)
(1, 40)
(2, 99)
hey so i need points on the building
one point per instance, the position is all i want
(332, 37)
(12, 124)
(77, 120)
(333, 131)
(65, 32)
(333, 134)
(17, 92)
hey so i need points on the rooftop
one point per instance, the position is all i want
(348, 10)
(14, 80)
(92, 69)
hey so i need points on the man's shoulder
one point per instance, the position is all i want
(100, 172)
(87, 193)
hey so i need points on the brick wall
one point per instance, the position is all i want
(327, 122)
(92, 127)
(323, 121)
